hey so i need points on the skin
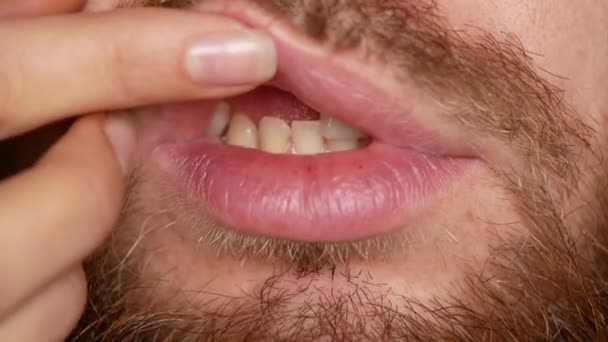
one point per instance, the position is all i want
(467, 251)
(450, 246)
(42, 256)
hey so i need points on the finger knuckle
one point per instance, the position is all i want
(13, 92)
(122, 65)
(5, 95)
(102, 204)
(72, 307)
(90, 196)
(79, 296)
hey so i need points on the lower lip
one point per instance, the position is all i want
(328, 197)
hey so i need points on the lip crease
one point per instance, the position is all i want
(329, 197)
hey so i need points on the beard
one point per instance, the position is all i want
(544, 279)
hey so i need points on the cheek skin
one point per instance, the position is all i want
(564, 38)
(568, 45)
(570, 41)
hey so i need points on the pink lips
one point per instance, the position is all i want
(320, 198)
(331, 197)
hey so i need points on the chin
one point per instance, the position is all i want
(350, 199)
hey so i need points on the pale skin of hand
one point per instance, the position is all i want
(53, 215)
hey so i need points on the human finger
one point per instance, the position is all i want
(25, 8)
(55, 214)
(123, 59)
(51, 314)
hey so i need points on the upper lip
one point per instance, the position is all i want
(346, 88)
(328, 197)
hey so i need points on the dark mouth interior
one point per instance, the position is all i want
(271, 101)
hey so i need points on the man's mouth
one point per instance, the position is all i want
(321, 153)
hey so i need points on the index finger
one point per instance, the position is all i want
(55, 67)
(21, 8)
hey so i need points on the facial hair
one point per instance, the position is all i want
(549, 284)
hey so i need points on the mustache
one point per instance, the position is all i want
(486, 83)
(547, 288)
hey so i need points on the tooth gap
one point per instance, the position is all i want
(279, 136)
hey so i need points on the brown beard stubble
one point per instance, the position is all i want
(549, 285)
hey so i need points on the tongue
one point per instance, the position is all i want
(267, 101)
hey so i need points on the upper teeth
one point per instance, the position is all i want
(274, 135)
(334, 129)
(219, 120)
(242, 131)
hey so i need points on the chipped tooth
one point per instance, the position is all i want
(274, 135)
(242, 131)
(306, 137)
(332, 128)
(340, 145)
(219, 120)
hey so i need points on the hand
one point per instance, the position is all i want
(54, 214)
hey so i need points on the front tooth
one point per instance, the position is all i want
(274, 135)
(332, 128)
(219, 120)
(242, 132)
(340, 145)
(306, 137)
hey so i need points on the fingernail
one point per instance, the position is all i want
(121, 134)
(232, 58)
